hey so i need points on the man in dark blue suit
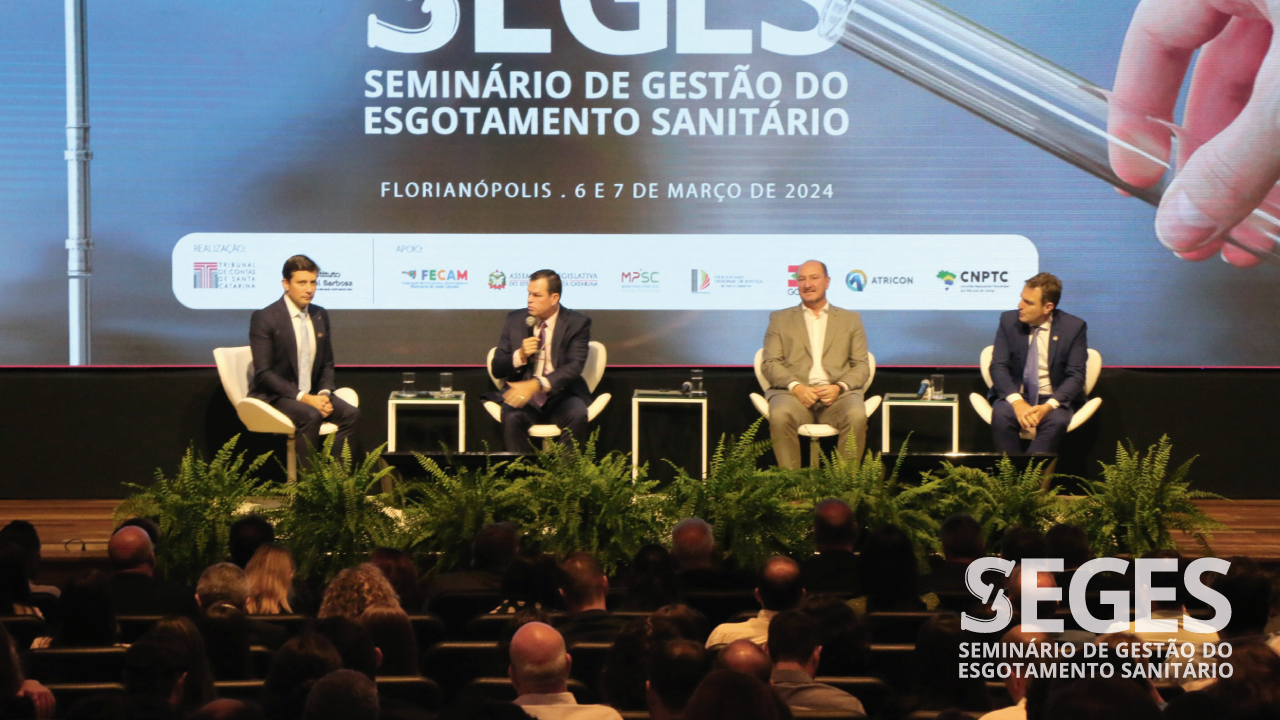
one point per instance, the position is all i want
(293, 360)
(1037, 370)
(542, 362)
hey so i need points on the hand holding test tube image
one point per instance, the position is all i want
(1127, 137)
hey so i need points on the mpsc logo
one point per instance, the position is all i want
(640, 281)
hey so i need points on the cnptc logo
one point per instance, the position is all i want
(497, 280)
(856, 280)
(948, 278)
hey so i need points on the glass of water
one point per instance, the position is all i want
(407, 389)
(695, 379)
(936, 381)
(446, 382)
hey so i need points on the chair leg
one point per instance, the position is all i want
(291, 461)
(815, 453)
(1047, 478)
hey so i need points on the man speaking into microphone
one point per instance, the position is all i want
(541, 354)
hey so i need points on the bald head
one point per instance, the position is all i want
(745, 657)
(834, 527)
(130, 550)
(780, 587)
(539, 663)
(692, 543)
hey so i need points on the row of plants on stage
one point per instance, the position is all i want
(580, 499)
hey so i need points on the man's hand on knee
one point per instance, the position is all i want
(827, 393)
(805, 394)
(1026, 414)
(319, 402)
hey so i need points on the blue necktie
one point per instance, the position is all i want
(1031, 373)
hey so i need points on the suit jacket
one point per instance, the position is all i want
(788, 358)
(135, 594)
(1068, 357)
(568, 352)
(275, 353)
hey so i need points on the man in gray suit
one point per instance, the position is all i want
(804, 391)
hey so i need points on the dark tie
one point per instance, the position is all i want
(544, 356)
(1031, 373)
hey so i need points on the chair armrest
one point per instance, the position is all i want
(871, 405)
(598, 405)
(258, 416)
(349, 396)
(761, 404)
(1084, 413)
(981, 406)
(494, 410)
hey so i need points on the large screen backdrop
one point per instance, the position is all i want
(672, 160)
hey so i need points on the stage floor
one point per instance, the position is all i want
(77, 530)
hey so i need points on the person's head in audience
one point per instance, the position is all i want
(1015, 683)
(247, 535)
(675, 669)
(1013, 590)
(691, 624)
(1172, 578)
(342, 695)
(353, 643)
(393, 635)
(583, 584)
(222, 584)
(795, 642)
(693, 542)
(183, 634)
(295, 668)
(626, 665)
(398, 568)
(85, 614)
(270, 572)
(227, 641)
(1070, 543)
(937, 683)
(962, 539)
(889, 571)
(15, 588)
(24, 535)
(131, 550)
(227, 709)
(1248, 591)
(843, 635)
(156, 667)
(539, 663)
(354, 590)
(494, 547)
(149, 526)
(519, 619)
(728, 695)
(652, 582)
(1100, 699)
(779, 586)
(1254, 686)
(745, 657)
(530, 580)
(1022, 542)
(834, 526)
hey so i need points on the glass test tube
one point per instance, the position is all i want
(1003, 83)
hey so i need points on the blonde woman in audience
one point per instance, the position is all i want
(355, 590)
(270, 572)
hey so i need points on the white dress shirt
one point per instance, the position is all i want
(816, 326)
(563, 706)
(303, 331)
(1042, 355)
(756, 630)
(543, 366)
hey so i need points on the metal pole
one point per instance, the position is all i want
(79, 245)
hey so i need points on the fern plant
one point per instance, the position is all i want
(1137, 503)
(195, 508)
(755, 513)
(591, 503)
(999, 499)
(332, 516)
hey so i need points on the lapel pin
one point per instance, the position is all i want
(1055, 338)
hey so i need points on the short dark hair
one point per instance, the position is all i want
(675, 669)
(1050, 287)
(152, 667)
(552, 278)
(834, 523)
(1022, 542)
(247, 535)
(299, 263)
(780, 587)
(962, 537)
(1248, 589)
(793, 636)
(342, 695)
(1070, 543)
(581, 579)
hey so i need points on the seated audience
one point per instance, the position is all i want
(355, 590)
(779, 589)
(15, 588)
(651, 582)
(1100, 699)
(85, 616)
(962, 543)
(691, 624)
(397, 567)
(394, 637)
(134, 588)
(890, 575)
(1015, 683)
(626, 665)
(246, 535)
(583, 588)
(693, 545)
(728, 695)
(1022, 542)
(183, 635)
(271, 582)
(936, 682)
(843, 636)
(675, 669)
(294, 670)
(530, 583)
(223, 595)
(540, 671)
(24, 535)
(745, 657)
(834, 569)
(342, 695)
(1251, 693)
(795, 650)
(492, 551)
(20, 697)
(358, 653)
(155, 667)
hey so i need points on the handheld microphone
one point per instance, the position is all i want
(530, 321)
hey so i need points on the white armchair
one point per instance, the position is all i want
(235, 368)
(592, 372)
(1092, 369)
(813, 431)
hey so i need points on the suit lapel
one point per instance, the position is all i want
(291, 338)
(834, 318)
(1054, 331)
(802, 330)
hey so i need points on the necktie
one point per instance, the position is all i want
(544, 364)
(1031, 373)
(304, 354)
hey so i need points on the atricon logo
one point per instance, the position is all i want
(497, 280)
(699, 282)
(856, 280)
(1145, 593)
